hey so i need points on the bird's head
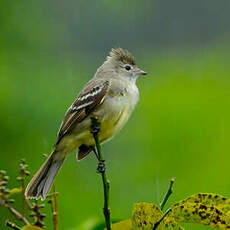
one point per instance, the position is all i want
(123, 63)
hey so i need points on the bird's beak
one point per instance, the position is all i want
(140, 72)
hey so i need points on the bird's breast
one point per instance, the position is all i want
(115, 112)
(112, 114)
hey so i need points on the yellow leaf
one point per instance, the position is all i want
(14, 191)
(212, 199)
(123, 225)
(145, 215)
(31, 227)
(203, 208)
(170, 223)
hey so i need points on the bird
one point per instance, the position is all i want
(110, 96)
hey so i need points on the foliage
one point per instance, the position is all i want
(203, 208)
(207, 209)
(35, 208)
(31, 227)
(49, 49)
(181, 120)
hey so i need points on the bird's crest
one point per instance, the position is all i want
(122, 55)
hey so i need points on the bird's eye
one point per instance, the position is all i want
(127, 67)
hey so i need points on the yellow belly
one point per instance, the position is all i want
(112, 115)
(110, 125)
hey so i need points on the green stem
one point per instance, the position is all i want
(101, 163)
(161, 219)
(167, 195)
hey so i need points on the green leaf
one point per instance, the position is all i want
(31, 227)
(91, 223)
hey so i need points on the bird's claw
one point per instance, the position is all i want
(101, 166)
(95, 130)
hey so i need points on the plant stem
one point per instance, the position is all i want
(95, 128)
(167, 195)
(55, 208)
(17, 214)
(161, 219)
(12, 225)
(23, 196)
(53, 203)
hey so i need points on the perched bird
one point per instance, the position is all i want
(110, 96)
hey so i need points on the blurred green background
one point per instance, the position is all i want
(181, 126)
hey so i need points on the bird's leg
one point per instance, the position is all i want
(95, 152)
(95, 129)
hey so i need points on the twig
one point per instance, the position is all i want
(167, 195)
(37, 215)
(161, 219)
(4, 201)
(23, 173)
(23, 196)
(53, 203)
(54, 207)
(95, 128)
(12, 225)
(17, 214)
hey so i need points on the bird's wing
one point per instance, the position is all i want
(90, 97)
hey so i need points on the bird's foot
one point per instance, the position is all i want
(95, 130)
(101, 166)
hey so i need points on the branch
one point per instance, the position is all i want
(23, 174)
(17, 214)
(167, 195)
(55, 213)
(54, 207)
(95, 128)
(37, 214)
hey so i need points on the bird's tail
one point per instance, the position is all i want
(42, 181)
